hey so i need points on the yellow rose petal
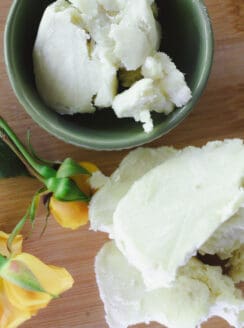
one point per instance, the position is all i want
(10, 317)
(82, 180)
(16, 245)
(69, 214)
(25, 300)
(89, 166)
(53, 279)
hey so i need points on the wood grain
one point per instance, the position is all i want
(218, 115)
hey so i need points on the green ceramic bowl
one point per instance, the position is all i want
(187, 38)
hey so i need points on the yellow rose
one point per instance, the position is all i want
(19, 300)
(74, 214)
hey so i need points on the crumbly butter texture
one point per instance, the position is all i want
(150, 201)
(155, 276)
(162, 87)
(198, 293)
(82, 45)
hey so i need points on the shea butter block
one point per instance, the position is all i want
(81, 48)
(136, 164)
(67, 76)
(170, 212)
(177, 222)
(199, 292)
(155, 195)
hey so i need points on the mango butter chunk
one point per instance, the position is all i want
(137, 163)
(139, 100)
(97, 23)
(136, 35)
(198, 293)
(169, 213)
(162, 87)
(172, 82)
(228, 238)
(82, 46)
(68, 74)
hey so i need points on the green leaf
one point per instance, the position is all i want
(20, 275)
(70, 168)
(10, 164)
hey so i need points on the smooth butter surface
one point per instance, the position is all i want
(170, 212)
(67, 75)
(137, 163)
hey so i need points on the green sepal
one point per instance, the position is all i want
(20, 275)
(47, 172)
(3, 261)
(35, 203)
(70, 168)
(18, 228)
(30, 213)
(65, 190)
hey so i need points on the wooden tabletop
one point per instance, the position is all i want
(218, 115)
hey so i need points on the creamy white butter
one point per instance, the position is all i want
(168, 205)
(68, 76)
(198, 293)
(139, 100)
(136, 36)
(82, 45)
(137, 163)
(169, 213)
(162, 88)
(171, 81)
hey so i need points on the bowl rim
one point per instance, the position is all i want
(87, 142)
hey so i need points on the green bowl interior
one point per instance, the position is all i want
(187, 38)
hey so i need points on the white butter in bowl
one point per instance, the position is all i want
(83, 45)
